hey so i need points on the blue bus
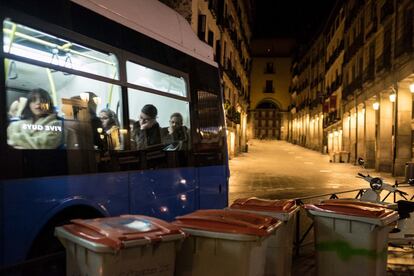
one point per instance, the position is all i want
(81, 80)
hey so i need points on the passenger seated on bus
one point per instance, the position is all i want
(39, 127)
(110, 126)
(146, 131)
(176, 135)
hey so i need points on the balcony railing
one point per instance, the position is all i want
(405, 43)
(302, 105)
(384, 61)
(372, 28)
(350, 88)
(331, 118)
(315, 102)
(232, 75)
(369, 72)
(354, 47)
(268, 90)
(334, 86)
(233, 115)
(335, 55)
(386, 10)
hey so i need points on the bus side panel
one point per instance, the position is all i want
(163, 193)
(2, 210)
(29, 203)
(213, 187)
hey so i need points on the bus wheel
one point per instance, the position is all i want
(47, 255)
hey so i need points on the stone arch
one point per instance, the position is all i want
(267, 119)
(268, 103)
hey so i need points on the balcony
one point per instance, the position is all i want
(268, 90)
(216, 8)
(335, 55)
(352, 14)
(302, 105)
(295, 71)
(404, 44)
(315, 102)
(354, 47)
(291, 106)
(369, 73)
(232, 75)
(386, 10)
(233, 115)
(331, 118)
(372, 28)
(384, 61)
(350, 88)
(333, 87)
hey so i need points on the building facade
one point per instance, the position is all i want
(226, 26)
(269, 94)
(366, 103)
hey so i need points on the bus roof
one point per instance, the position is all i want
(155, 20)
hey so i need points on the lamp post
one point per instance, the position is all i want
(394, 100)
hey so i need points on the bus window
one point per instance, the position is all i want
(166, 114)
(210, 129)
(29, 43)
(153, 79)
(55, 110)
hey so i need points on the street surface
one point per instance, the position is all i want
(280, 170)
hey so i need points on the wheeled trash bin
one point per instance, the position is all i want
(224, 243)
(125, 245)
(279, 250)
(351, 237)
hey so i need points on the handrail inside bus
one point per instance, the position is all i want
(66, 47)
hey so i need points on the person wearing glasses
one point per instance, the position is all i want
(176, 135)
(146, 131)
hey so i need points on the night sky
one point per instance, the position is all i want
(298, 19)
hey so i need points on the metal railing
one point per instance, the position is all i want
(300, 224)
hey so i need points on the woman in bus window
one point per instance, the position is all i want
(39, 127)
(176, 135)
(110, 125)
(146, 131)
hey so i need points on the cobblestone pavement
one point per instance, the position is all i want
(277, 170)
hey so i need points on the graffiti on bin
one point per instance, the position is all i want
(345, 251)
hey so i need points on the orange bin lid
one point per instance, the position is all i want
(225, 221)
(264, 205)
(113, 231)
(351, 208)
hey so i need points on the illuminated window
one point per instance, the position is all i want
(32, 44)
(71, 104)
(153, 79)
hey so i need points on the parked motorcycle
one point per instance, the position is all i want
(403, 234)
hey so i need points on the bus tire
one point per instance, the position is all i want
(46, 244)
